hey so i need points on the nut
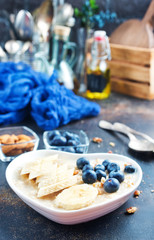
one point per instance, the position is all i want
(97, 140)
(24, 137)
(137, 193)
(75, 172)
(112, 144)
(13, 145)
(131, 210)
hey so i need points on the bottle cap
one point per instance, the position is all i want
(99, 35)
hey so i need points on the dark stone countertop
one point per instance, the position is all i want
(18, 221)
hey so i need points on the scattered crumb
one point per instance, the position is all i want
(109, 151)
(112, 144)
(137, 193)
(97, 140)
(131, 210)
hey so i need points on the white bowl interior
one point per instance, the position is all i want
(71, 216)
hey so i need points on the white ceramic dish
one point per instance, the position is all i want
(72, 216)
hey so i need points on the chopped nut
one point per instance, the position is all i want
(76, 172)
(97, 184)
(137, 193)
(103, 180)
(97, 140)
(112, 144)
(110, 151)
(131, 210)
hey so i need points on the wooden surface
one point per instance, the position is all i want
(19, 222)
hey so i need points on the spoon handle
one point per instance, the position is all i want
(117, 124)
(109, 126)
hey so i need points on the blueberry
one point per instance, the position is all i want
(76, 138)
(89, 176)
(111, 185)
(105, 163)
(81, 162)
(72, 143)
(79, 149)
(99, 167)
(69, 149)
(100, 174)
(67, 135)
(87, 167)
(113, 167)
(119, 175)
(52, 134)
(58, 141)
(129, 169)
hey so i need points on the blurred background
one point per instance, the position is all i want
(125, 9)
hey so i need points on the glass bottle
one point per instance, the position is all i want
(64, 57)
(97, 70)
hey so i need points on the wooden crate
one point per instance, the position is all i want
(132, 71)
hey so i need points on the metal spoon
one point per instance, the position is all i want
(134, 143)
(143, 135)
(63, 14)
(24, 25)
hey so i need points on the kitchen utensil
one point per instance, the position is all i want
(2, 54)
(143, 135)
(134, 143)
(24, 25)
(13, 32)
(12, 46)
(43, 17)
(135, 32)
(63, 13)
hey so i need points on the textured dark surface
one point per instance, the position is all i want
(20, 222)
(125, 9)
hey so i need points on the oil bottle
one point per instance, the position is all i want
(97, 69)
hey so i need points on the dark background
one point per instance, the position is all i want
(125, 9)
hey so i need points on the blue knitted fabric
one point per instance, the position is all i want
(51, 104)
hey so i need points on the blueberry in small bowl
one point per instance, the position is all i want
(74, 141)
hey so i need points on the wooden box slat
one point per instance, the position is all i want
(141, 56)
(132, 71)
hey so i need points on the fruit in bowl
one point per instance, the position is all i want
(74, 141)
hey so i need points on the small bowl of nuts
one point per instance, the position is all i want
(74, 141)
(15, 141)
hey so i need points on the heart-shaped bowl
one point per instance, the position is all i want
(69, 217)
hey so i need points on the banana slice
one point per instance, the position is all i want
(50, 176)
(43, 191)
(31, 167)
(39, 167)
(76, 197)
